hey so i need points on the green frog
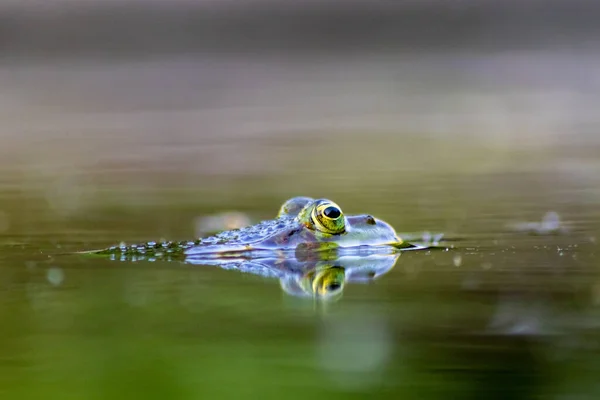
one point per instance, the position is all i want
(302, 227)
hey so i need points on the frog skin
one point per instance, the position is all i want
(303, 225)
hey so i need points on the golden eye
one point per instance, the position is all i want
(328, 218)
(329, 282)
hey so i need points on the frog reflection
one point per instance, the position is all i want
(326, 282)
(322, 279)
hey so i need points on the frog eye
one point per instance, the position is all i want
(328, 218)
(329, 282)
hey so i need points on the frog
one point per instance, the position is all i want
(303, 226)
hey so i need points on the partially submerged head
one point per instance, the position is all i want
(323, 221)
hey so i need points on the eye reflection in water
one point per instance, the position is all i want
(323, 278)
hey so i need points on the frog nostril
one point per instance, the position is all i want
(370, 220)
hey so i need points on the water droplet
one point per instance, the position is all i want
(457, 260)
(55, 276)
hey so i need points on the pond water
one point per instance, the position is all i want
(510, 310)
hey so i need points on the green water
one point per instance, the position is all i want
(94, 153)
(504, 315)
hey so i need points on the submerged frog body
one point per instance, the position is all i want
(302, 225)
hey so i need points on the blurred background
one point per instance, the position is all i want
(132, 120)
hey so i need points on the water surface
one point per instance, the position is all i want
(95, 154)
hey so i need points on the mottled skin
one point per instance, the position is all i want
(303, 226)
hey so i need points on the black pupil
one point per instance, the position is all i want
(331, 212)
